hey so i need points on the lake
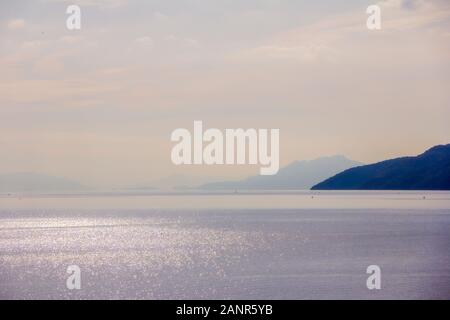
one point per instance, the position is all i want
(219, 245)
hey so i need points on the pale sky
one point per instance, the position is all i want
(98, 105)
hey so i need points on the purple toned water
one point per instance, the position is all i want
(226, 246)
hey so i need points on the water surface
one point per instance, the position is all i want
(297, 245)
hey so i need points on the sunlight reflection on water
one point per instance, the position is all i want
(149, 253)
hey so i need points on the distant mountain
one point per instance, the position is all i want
(35, 182)
(428, 171)
(297, 175)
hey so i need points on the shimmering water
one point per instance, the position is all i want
(298, 245)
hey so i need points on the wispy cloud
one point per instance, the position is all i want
(16, 24)
(323, 40)
(98, 3)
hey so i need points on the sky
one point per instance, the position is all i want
(98, 105)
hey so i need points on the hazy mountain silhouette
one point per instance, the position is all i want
(428, 171)
(35, 182)
(297, 175)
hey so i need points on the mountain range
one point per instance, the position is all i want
(298, 175)
(427, 171)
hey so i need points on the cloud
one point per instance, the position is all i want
(113, 71)
(16, 24)
(398, 15)
(50, 64)
(32, 44)
(94, 3)
(145, 40)
(182, 41)
(160, 16)
(329, 38)
(61, 92)
(71, 39)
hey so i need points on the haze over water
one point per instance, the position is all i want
(226, 246)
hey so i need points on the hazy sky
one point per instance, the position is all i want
(98, 105)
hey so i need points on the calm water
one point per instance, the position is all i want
(298, 245)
